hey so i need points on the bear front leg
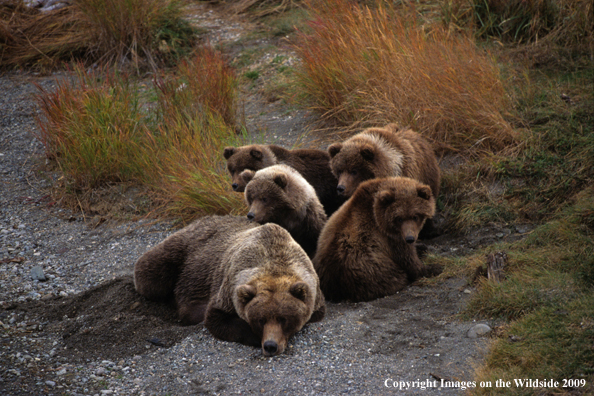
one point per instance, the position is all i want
(230, 327)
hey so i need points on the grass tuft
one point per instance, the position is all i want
(100, 129)
(372, 66)
(137, 33)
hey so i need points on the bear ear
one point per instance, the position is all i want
(257, 154)
(367, 153)
(386, 197)
(247, 175)
(424, 192)
(229, 151)
(245, 293)
(299, 290)
(281, 180)
(334, 149)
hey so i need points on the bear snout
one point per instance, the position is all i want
(270, 348)
(340, 189)
(251, 216)
(234, 186)
(410, 239)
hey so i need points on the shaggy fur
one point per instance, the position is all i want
(312, 164)
(249, 284)
(367, 248)
(383, 152)
(279, 194)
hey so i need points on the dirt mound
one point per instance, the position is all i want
(110, 321)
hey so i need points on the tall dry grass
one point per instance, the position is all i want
(565, 22)
(100, 128)
(139, 33)
(371, 67)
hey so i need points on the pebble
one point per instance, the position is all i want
(38, 274)
(478, 330)
(50, 383)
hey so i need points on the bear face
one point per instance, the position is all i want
(352, 164)
(253, 157)
(275, 309)
(401, 208)
(267, 197)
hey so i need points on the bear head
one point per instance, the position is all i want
(253, 157)
(275, 307)
(400, 207)
(277, 194)
(352, 164)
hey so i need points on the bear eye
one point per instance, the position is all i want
(282, 321)
(416, 218)
(353, 173)
(264, 199)
(262, 322)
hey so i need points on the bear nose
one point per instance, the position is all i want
(340, 189)
(410, 239)
(251, 216)
(235, 186)
(270, 347)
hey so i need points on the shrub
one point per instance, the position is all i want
(566, 22)
(371, 67)
(104, 129)
(144, 33)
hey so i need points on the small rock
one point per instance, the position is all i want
(467, 291)
(37, 274)
(61, 372)
(478, 330)
(50, 383)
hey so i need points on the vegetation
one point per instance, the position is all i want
(517, 141)
(137, 33)
(103, 129)
(368, 66)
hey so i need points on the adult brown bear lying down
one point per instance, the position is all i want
(249, 284)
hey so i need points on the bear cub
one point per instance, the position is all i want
(279, 194)
(367, 248)
(383, 152)
(249, 284)
(313, 164)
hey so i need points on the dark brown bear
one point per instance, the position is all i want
(383, 152)
(313, 165)
(367, 248)
(279, 194)
(250, 284)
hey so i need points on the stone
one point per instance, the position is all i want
(478, 330)
(38, 274)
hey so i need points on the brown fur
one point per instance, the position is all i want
(383, 152)
(250, 284)
(312, 164)
(367, 249)
(279, 194)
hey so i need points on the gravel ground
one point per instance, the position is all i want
(76, 332)
(84, 331)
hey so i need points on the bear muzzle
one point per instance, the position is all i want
(274, 340)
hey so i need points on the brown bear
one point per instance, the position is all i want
(279, 194)
(313, 164)
(383, 152)
(367, 248)
(249, 284)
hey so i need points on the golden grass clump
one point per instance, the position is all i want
(565, 22)
(142, 33)
(101, 129)
(372, 67)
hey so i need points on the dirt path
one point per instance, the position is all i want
(85, 331)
